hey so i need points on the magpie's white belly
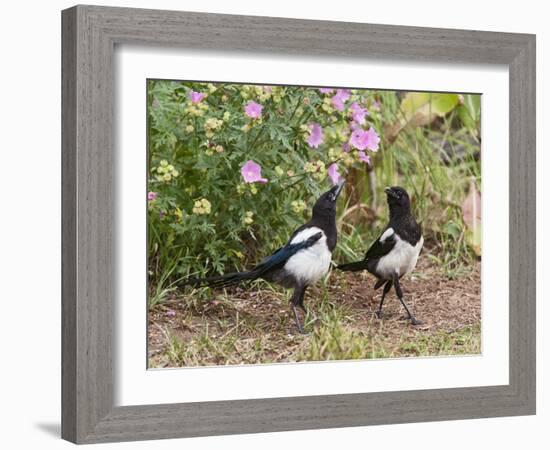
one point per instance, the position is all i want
(312, 263)
(401, 259)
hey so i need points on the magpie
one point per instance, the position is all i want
(303, 261)
(394, 254)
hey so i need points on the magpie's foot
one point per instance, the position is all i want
(415, 321)
(379, 314)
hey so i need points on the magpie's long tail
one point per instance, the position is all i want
(220, 281)
(354, 266)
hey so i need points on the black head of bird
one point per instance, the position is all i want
(398, 200)
(326, 203)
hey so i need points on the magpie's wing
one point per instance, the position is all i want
(272, 262)
(383, 245)
(282, 255)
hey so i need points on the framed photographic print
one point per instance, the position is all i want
(246, 199)
(211, 207)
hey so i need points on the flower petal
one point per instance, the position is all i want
(332, 172)
(253, 110)
(341, 96)
(252, 172)
(316, 137)
(358, 113)
(196, 97)
(364, 157)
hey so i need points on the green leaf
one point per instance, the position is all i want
(421, 108)
(452, 229)
(469, 112)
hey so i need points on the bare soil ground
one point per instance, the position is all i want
(255, 325)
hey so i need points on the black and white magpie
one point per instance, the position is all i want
(394, 254)
(304, 260)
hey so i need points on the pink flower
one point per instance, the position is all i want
(253, 110)
(363, 157)
(196, 97)
(345, 147)
(171, 313)
(372, 140)
(326, 90)
(332, 172)
(341, 96)
(316, 135)
(152, 196)
(358, 113)
(252, 172)
(362, 140)
(358, 139)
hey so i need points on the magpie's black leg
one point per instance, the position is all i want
(301, 300)
(297, 297)
(387, 288)
(399, 293)
(303, 307)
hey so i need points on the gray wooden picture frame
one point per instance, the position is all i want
(90, 34)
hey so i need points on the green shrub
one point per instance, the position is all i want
(202, 212)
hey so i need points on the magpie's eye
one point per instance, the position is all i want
(331, 196)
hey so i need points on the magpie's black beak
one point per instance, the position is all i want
(336, 189)
(390, 192)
